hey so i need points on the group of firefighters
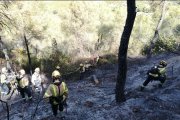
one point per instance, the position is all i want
(57, 91)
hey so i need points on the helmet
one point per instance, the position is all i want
(4, 70)
(163, 63)
(57, 67)
(81, 65)
(22, 72)
(37, 70)
(56, 74)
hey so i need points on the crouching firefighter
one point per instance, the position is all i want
(23, 85)
(57, 92)
(156, 73)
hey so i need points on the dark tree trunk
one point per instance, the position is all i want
(28, 53)
(122, 56)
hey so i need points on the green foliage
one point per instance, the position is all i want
(34, 62)
(176, 30)
(83, 28)
(107, 59)
(111, 58)
(47, 65)
(162, 45)
(1, 54)
(145, 50)
(102, 61)
(5, 18)
(106, 40)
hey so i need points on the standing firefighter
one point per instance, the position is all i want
(82, 70)
(36, 80)
(57, 92)
(156, 73)
(5, 85)
(3, 75)
(23, 84)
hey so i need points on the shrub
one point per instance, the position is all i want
(161, 45)
(107, 59)
(34, 62)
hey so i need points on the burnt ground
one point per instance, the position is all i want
(88, 101)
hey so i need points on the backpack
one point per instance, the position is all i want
(153, 70)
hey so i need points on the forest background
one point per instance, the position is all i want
(67, 32)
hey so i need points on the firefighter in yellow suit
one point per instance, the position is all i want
(57, 92)
(23, 84)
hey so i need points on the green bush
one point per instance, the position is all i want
(162, 45)
(34, 62)
(176, 30)
(111, 58)
(107, 59)
(102, 61)
(1, 54)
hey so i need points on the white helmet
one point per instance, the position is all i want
(4, 70)
(56, 74)
(37, 70)
(22, 72)
(58, 67)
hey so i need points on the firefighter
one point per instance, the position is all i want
(23, 84)
(3, 75)
(82, 70)
(5, 83)
(57, 92)
(37, 80)
(156, 73)
(96, 60)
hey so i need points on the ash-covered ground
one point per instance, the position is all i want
(88, 101)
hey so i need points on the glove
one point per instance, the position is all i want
(64, 98)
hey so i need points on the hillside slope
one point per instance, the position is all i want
(96, 102)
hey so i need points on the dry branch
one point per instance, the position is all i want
(156, 33)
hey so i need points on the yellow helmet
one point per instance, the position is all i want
(81, 64)
(163, 63)
(56, 74)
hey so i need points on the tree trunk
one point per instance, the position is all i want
(156, 33)
(122, 56)
(28, 53)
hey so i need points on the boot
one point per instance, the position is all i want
(61, 116)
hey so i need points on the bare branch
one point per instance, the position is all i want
(156, 33)
(5, 15)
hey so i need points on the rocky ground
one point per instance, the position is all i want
(88, 101)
